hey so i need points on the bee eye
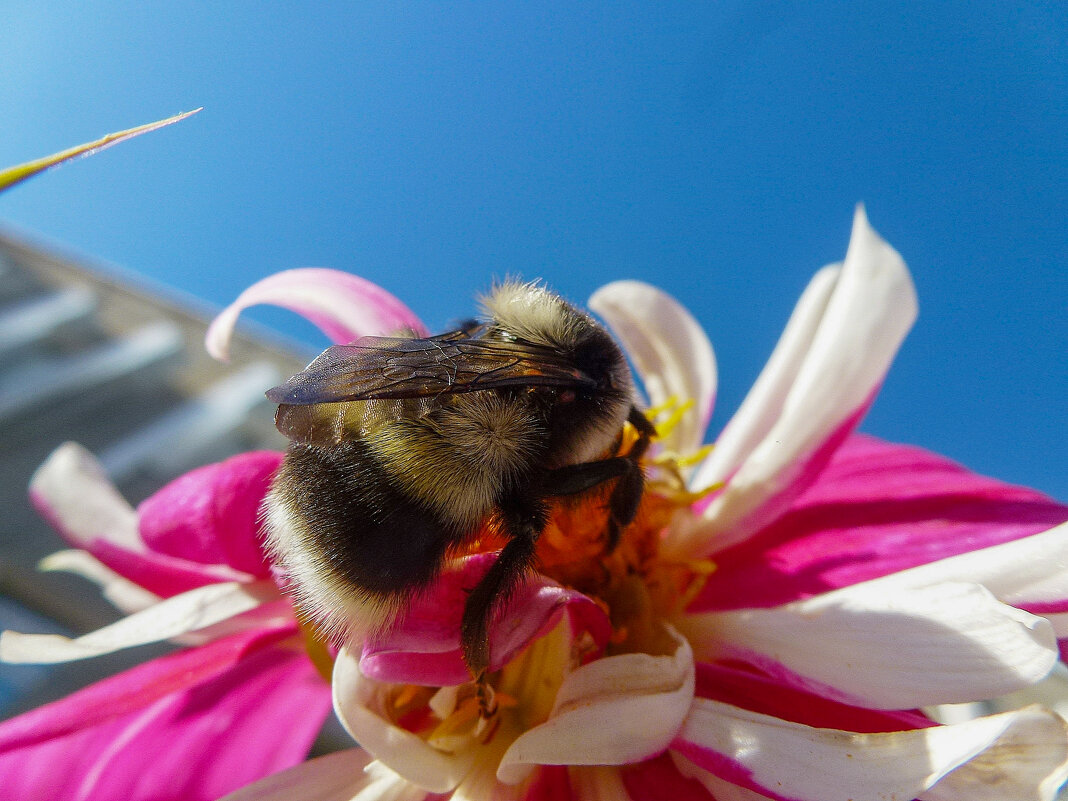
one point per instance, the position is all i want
(566, 396)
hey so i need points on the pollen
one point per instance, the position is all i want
(634, 583)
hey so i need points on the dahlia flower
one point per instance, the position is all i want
(772, 625)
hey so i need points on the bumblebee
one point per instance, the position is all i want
(402, 449)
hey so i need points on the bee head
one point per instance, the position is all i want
(588, 419)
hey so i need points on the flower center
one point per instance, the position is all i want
(638, 587)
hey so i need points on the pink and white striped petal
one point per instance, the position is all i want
(949, 642)
(669, 349)
(362, 706)
(763, 404)
(191, 611)
(124, 594)
(871, 308)
(344, 306)
(1031, 573)
(789, 761)
(613, 711)
(877, 508)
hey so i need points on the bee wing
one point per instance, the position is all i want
(393, 368)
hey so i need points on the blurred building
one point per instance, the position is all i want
(120, 367)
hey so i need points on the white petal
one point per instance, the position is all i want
(613, 711)
(1022, 754)
(866, 318)
(190, 611)
(74, 494)
(597, 783)
(123, 593)
(763, 405)
(670, 350)
(342, 776)
(1029, 762)
(358, 702)
(950, 643)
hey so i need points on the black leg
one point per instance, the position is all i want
(523, 519)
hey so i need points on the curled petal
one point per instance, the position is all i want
(789, 761)
(948, 643)
(612, 711)
(872, 307)
(344, 306)
(73, 493)
(191, 611)
(360, 704)
(424, 646)
(670, 350)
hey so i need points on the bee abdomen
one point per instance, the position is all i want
(356, 546)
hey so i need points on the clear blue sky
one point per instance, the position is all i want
(716, 149)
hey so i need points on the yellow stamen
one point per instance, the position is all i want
(679, 412)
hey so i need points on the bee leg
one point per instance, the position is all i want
(523, 517)
(626, 496)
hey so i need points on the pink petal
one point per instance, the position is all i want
(211, 514)
(134, 689)
(658, 779)
(164, 575)
(739, 685)
(343, 305)
(878, 508)
(424, 646)
(550, 783)
(187, 737)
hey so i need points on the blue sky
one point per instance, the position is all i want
(715, 149)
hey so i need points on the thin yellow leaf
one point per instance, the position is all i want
(19, 173)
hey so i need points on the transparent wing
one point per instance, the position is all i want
(393, 368)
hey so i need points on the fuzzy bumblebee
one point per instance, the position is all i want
(402, 449)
